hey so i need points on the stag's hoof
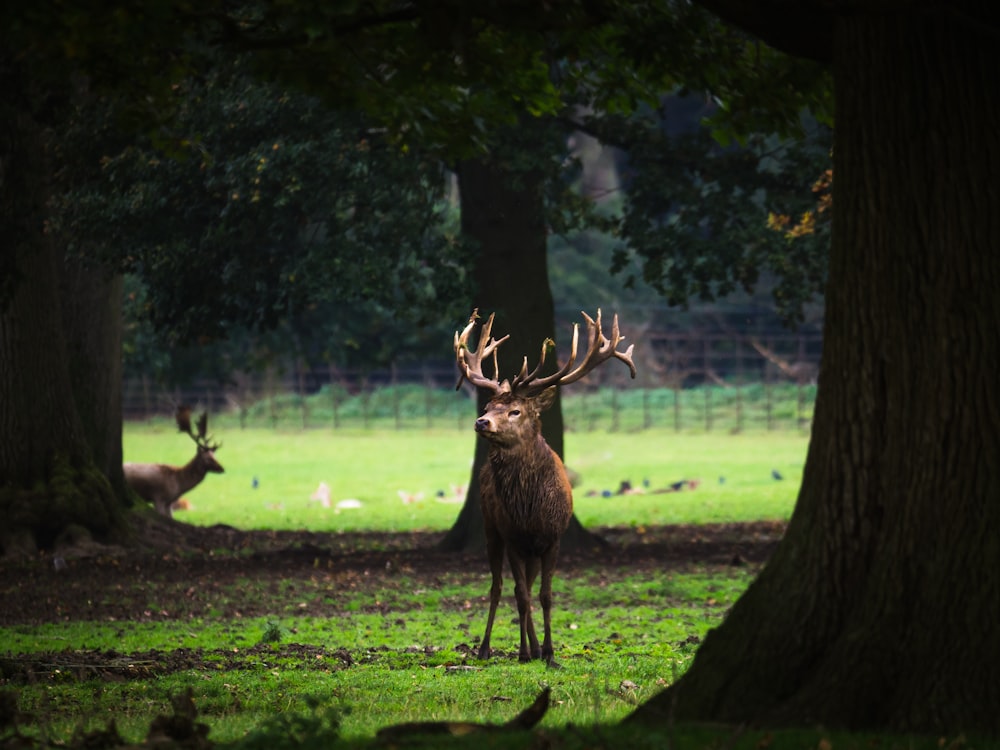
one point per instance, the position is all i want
(484, 652)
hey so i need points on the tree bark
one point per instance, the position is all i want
(880, 608)
(504, 215)
(92, 318)
(48, 479)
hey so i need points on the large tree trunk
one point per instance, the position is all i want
(504, 216)
(48, 479)
(880, 609)
(92, 318)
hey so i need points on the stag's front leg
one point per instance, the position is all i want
(522, 595)
(545, 597)
(531, 573)
(494, 552)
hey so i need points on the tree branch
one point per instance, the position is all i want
(802, 29)
(239, 32)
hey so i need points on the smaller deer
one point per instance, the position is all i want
(527, 500)
(162, 485)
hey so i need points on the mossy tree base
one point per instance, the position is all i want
(74, 500)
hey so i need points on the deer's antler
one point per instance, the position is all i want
(470, 364)
(183, 417)
(599, 349)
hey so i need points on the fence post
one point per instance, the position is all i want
(365, 400)
(707, 390)
(242, 399)
(272, 407)
(394, 384)
(801, 405)
(428, 397)
(333, 397)
(739, 386)
(767, 403)
(302, 395)
(706, 363)
(146, 409)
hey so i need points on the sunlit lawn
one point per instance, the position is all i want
(618, 643)
(271, 476)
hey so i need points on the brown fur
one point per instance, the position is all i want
(162, 485)
(527, 504)
(527, 498)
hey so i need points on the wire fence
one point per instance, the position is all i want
(706, 384)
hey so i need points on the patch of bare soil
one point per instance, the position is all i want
(184, 569)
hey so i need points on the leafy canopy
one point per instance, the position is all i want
(269, 204)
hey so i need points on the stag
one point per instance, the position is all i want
(163, 485)
(527, 501)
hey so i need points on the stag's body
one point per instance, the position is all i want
(163, 485)
(527, 504)
(527, 500)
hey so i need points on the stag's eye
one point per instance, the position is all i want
(514, 413)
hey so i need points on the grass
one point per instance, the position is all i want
(397, 653)
(271, 475)
(402, 648)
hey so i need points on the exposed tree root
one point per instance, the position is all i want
(525, 720)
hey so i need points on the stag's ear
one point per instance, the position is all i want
(545, 399)
(183, 417)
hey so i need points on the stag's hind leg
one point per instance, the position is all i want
(545, 597)
(494, 552)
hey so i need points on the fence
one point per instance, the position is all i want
(684, 384)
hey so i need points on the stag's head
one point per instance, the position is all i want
(510, 420)
(206, 448)
(513, 413)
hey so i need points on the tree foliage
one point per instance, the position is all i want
(695, 214)
(269, 204)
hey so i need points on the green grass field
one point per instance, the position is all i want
(392, 652)
(271, 476)
(345, 653)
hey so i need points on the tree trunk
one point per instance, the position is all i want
(48, 479)
(504, 215)
(880, 608)
(92, 318)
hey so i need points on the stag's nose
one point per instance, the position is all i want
(482, 424)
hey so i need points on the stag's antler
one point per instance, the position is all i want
(599, 349)
(201, 438)
(470, 364)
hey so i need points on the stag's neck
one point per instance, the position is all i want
(523, 459)
(190, 475)
(519, 451)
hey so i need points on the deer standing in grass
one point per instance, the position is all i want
(163, 485)
(526, 497)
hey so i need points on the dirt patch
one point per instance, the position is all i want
(190, 571)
